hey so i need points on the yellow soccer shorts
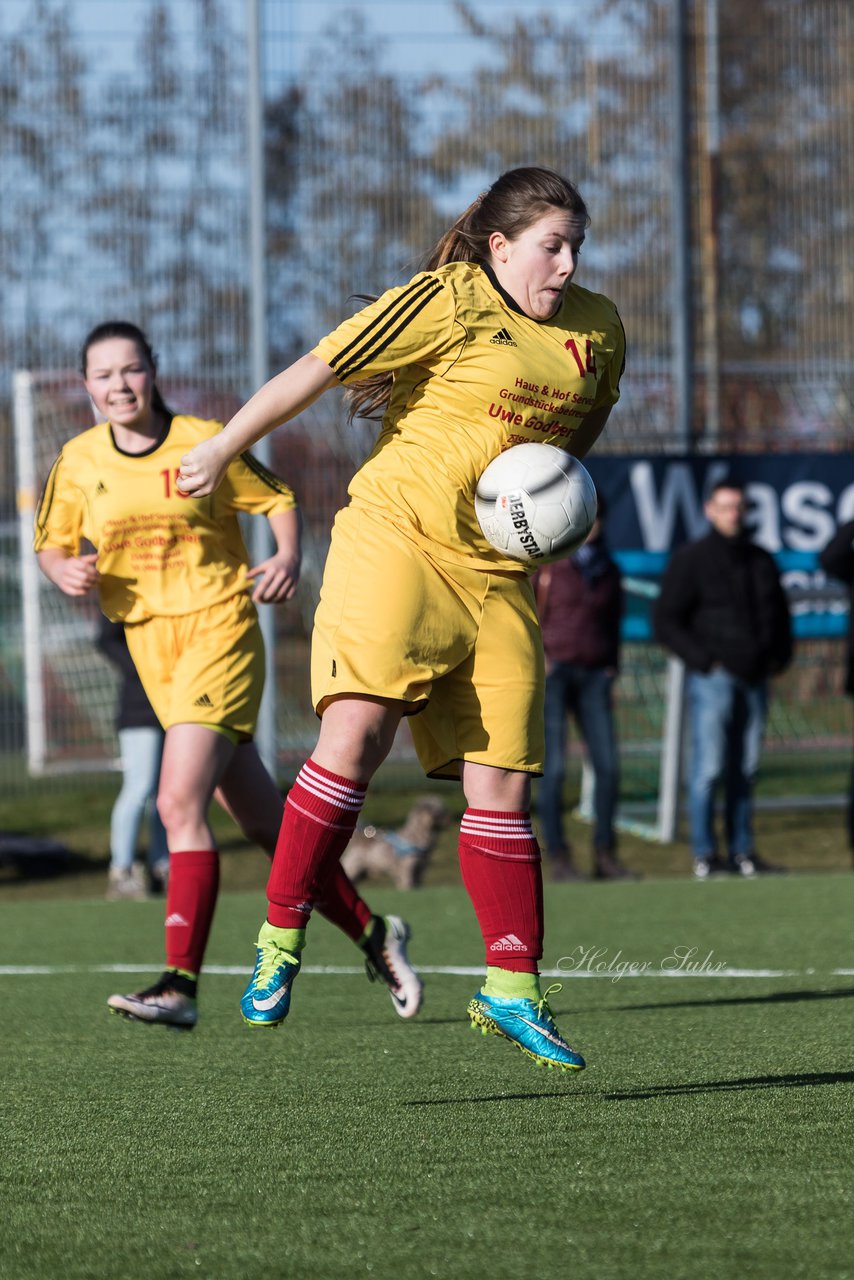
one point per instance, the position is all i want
(203, 668)
(460, 646)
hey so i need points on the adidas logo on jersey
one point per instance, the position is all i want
(508, 943)
(203, 701)
(503, 338)
(100, 488)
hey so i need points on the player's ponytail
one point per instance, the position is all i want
(459, 243)
(518, 199)
(124, 329)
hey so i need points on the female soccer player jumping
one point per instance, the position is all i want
(175, 571)
(493, 344)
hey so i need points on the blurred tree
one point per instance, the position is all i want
(590, 100)
(786, 254)
(43, 114)
(282, 120)
(168, 217)
(358, 181)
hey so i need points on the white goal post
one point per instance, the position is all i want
(69, 688)
(29, 573)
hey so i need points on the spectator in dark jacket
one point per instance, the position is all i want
(141, 746)
(580, 602)
(722, 610)
(837, 560)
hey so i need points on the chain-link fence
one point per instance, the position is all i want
(126, 181)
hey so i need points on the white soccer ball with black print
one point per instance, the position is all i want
(535, 503)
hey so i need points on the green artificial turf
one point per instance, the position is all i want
(710, 1134)
(76, 811)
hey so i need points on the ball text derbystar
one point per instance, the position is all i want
(520, 524)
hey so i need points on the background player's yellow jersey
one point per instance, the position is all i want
(159, 553)
(473, 374)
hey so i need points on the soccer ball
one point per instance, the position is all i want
(535, 503)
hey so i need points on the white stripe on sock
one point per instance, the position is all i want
(334, 793)
(326, 823)
(497, 827)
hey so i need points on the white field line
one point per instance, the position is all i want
(461, 971)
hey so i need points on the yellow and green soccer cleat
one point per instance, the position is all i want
(529, 1025)
(267, 998)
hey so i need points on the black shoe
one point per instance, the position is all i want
(561, 867)
(750, 865)
(157, 878)
(606, 867)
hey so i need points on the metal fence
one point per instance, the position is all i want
(710, 141)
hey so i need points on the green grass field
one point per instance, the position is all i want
(710, 1134)
(76, 810)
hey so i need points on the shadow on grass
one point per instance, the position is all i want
(808, 1080)
(25, 859)
(774, 997)
(486, 1097)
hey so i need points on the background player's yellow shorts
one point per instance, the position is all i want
(461, 645)
(203, 668)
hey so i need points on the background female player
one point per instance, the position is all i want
(175, 571)
(493, 344)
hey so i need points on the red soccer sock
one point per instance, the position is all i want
(500, 865)
(190, 900)
(320, 816)
(342, 905)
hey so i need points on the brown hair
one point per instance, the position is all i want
(124, 329)
(518, 199)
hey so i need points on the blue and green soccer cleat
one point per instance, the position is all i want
(267, 999)
(529, 1025)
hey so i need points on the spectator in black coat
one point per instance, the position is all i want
(837, 560)
(141, 746)
(722, 610)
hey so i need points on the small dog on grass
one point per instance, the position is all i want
(401, 855)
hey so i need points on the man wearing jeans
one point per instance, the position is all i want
(580, 600)
(837, 560)
(722, 610)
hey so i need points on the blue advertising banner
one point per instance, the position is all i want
(795, 502)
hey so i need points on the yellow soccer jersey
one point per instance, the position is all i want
(472, 375)
(159, 553)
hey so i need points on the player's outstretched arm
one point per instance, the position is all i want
(74, 575)
(279, 400)
(278, 576)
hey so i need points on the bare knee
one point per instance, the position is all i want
(356, 735)
(177, 809)
(503, 790)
